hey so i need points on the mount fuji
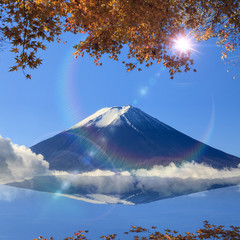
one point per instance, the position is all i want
(126, 138)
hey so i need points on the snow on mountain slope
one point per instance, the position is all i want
(115, 116)
(103, 118)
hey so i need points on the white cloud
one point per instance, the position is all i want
(166, 181)
(106, 182)
(18, 162)
(188, 170)
(98, 173)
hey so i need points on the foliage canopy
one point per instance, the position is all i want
(147, 27)
(209, 231)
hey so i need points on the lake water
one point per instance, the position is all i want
(26, 214)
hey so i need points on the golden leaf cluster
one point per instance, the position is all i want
(209, 231)
(145, 28)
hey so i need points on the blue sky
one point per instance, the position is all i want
(63, 91)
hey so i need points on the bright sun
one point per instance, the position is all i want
(183, 44)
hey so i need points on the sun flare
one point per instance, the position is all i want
(183, 44)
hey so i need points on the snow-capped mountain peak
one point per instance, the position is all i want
(104, 117)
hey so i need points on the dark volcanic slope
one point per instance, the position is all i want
(125, 138)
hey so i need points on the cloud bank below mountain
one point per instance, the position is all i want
(18, 163)
(20, 167)
(167, 181)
